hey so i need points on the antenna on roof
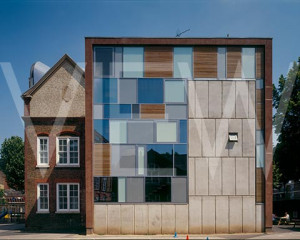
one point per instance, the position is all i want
(178, 34)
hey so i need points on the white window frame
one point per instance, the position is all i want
(68, 164)
(68, 210)
(39, 164)
(39, 210)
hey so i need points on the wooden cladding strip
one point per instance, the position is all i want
(152, 111)
(260, 185)
(260, 63)
(101, 159)
(234, 59)
(205, 62)
(158, 62)
(260, 116)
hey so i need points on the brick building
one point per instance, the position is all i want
(174, 135)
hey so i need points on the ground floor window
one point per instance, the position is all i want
(43, 197)
(68, 197)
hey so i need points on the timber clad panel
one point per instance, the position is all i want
(158, 61)
(205, 62)
(101, 159)
(234, 57)
(260, 123)
(260, 185)
(260, 96)
(152, 111)
(260, 63)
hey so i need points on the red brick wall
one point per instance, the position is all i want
(53, 174)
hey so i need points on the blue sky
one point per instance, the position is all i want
(45, 30)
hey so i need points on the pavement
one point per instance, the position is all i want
(17, 231)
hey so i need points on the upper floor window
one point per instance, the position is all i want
(43, 151)
(43, 197)
(68, 197)
(67, 151)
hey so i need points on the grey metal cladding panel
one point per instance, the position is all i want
(123, 160)
(128, 90)
(135, 190)
(118, 62)
(179, 190)
(176, 111)
(221, 62)
(140, 132)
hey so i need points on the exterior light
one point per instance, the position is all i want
(233, 137)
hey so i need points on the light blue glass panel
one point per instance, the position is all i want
(175, 91)
(248, 62)
(118, 131)
(150, 90)
(133, 61)
(260, 156)
(105, 90)
(259, 137)
(98, 111)
(119, 111)
(259, 84)
(222, 63)
(183, 66)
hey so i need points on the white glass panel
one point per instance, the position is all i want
(183, 62)
(141, 160)
(166, 132)
(175, 91)
(133, 61)
(260, 156)
(121, 189)
(118, 131)
(248, 62)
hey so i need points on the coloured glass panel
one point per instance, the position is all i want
(101, 131)
(133, 61)
(122, 160)
(175, 91)
(105, 90)
(128, 90)
(183, 62)
(103, 62)
(180, 160)
(121, 189)
(117, 111)
(135, 190)
(248, 62)
(183, 131)
(140, 132)
(176, 111)
(179, 193)
(166, 132)
(150, 90)
(118, 132)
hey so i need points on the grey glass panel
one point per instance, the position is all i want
(103, 62)
(158, 189)
(260, 84)
(140, 132)
(160, 160)
(98, 111)
(179, 190)
(221, 62)
(105, 189)
(135, 190)
(118, 62)
(122, 160)
(121, 189)
(127, 90)
(259, 137)
(176, 111)
(248, 62)
(135, 111)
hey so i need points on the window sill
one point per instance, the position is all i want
(42, 212)
(67, 212)
(67, 166)
(42, 166)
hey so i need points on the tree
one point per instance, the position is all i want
(286, 100)
(12, 162)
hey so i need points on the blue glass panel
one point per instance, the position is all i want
(160, 160)
(106, 90)
(183, 131)
(118, 111)
(180, 159)
(150, 90)
(101, 131)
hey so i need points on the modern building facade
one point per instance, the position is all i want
(177, 138)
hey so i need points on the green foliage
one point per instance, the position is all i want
(276, 176)
(286, 100)
(12, 162)
(2, 198)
